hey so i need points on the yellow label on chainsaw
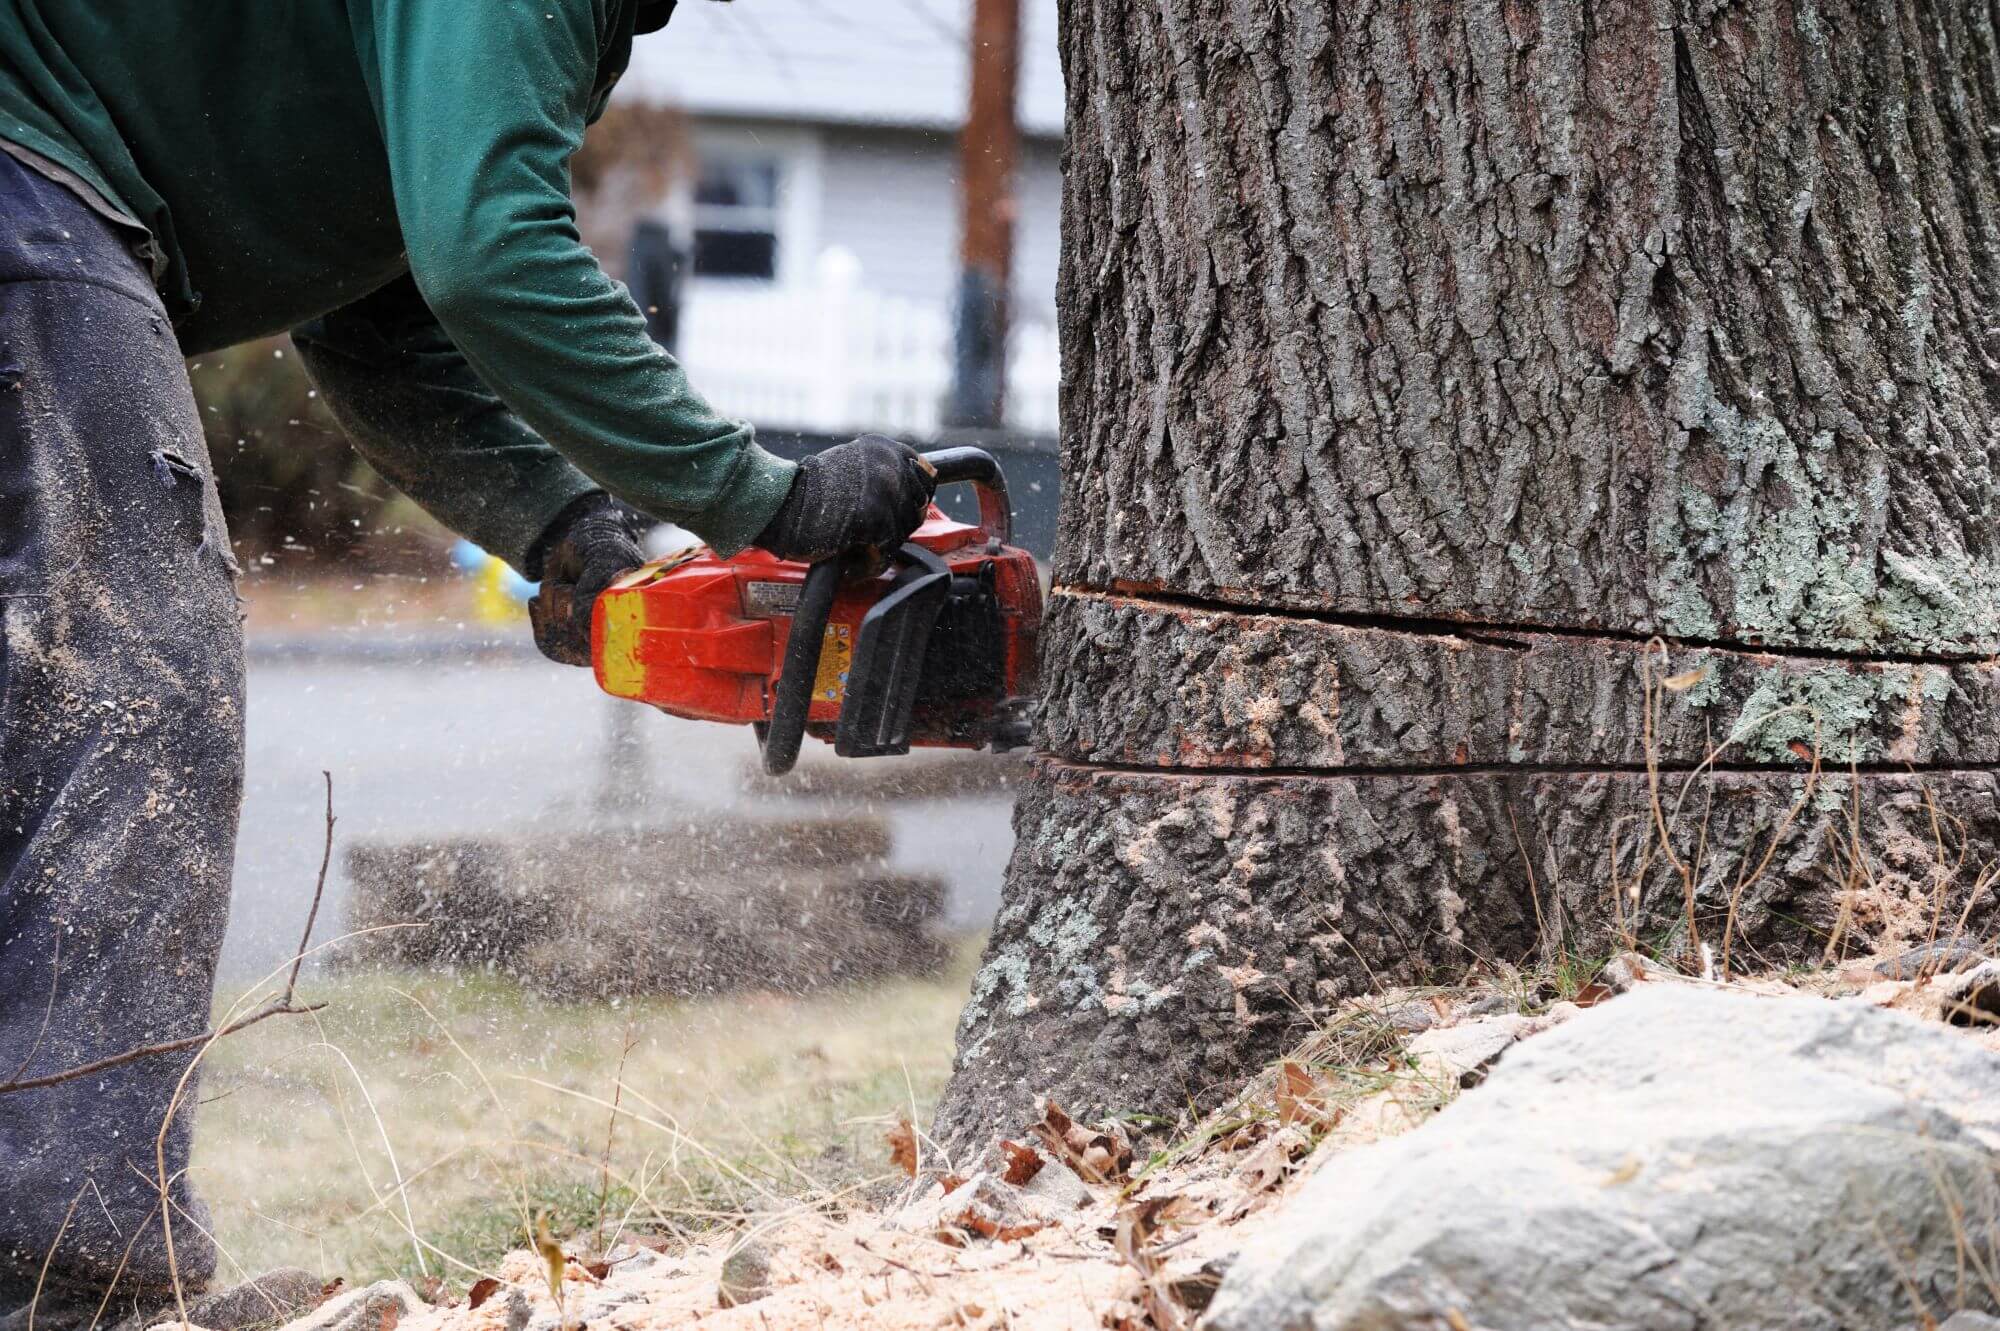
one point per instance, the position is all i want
(618, 668)
(836, 654)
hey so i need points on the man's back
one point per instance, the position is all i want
(293, 158)
(248, 135)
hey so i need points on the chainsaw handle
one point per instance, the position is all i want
(791, 696)
(982, 470)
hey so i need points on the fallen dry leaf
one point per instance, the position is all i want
(1137, 1225)
(1099, 1155)
(1299, 1094)
(1269, 1164)
(1023, 1161)
(1593, 994)
(482, 1289)
(902, 1141)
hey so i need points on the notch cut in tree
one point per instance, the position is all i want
(1528, 488)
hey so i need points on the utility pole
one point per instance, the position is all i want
(988, 148)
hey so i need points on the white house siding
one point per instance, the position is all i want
(857, 105)
(870, 62)
(1037, 230)
(890, 198)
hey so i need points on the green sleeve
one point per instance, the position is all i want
(481, 106)
(413, 407)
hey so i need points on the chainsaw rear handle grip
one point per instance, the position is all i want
(791, 699)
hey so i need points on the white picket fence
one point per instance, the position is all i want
(835, 356)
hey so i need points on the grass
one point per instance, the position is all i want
(487, 1101)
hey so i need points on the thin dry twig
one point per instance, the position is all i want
(319, 890)
(282, 1006)
(611, 1132)
(1755, 875)
(55, 981)
(35, 1300)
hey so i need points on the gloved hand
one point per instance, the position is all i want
(588, 545)
(868, 491)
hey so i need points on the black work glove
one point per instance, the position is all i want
(868, 491)
(588, 545)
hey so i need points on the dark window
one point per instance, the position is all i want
(736, 254)
(736, 217)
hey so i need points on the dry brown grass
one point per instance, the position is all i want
(430, 1114)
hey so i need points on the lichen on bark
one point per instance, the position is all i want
(1645, 318)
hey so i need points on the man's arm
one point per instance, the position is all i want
(415, 410)
(481, 106)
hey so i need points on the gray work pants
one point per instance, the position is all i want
(121, 749)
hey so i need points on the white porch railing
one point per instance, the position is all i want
(836, 356)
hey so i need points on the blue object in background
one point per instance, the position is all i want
(469, 558)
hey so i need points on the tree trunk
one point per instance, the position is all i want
(1528, 487)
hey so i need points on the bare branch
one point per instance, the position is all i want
(283, 1006)
(319, 890)
(55, 981)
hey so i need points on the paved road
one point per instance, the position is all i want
(426, 743)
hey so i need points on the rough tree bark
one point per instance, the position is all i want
(1528, 483)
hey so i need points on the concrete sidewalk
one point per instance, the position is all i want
(436, 733)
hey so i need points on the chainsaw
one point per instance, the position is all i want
(931, 645)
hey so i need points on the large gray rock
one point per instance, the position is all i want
(1675, 1158)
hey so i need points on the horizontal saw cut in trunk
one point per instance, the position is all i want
(1528, 488)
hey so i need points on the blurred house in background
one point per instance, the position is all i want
(799, 158)
(817, 209)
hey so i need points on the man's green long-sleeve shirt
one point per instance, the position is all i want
(390, 179)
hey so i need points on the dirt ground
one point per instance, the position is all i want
(1067, 1225)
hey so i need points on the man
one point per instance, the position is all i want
(388, 179)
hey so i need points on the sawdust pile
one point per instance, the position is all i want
(1070, 1225)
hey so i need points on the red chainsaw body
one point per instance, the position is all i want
(703, 637)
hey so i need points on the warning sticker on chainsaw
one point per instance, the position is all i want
(836, 654)
(770, 600)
